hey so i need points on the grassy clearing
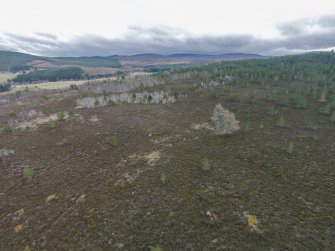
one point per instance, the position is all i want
(4, 76)
(139, 73)
(50, 85)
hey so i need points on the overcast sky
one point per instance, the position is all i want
(108, 27)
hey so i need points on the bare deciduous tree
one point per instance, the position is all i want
(224, 120)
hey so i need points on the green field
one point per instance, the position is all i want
(4, 76)
(88, 61)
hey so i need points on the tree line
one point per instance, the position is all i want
(318, 68)
(4, 87)
(70, 73)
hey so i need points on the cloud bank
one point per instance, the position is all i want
(294, 37)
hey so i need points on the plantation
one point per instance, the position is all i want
(70, 73)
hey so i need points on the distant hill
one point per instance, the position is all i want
(10, 59)
(240, 56)
(192, 58)
(229, 56)
(15, 61)
(96, 61)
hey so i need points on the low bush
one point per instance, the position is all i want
(13, 115)
(289, 147)
(323, 96)
(253, 97)
(52, 123)
(205, 164)
(43, 98)
(60, 116)
(4, 87)
(281, 122)
(163, 177)
(281, 100)
(46, 113)
(272, 111)
(300, 102)
(7, 129)
(247, 126)
(28, 173)
(325, 110)
(332, 102)
(313, 90)
(155, 248)
(218, 92)
(332, 116)
(112, 140)
(232, 95)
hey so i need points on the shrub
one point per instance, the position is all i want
(332, 116)
(332, 102)
(52, 123)
(198, 88)
(46, 113)
(253, 98)
(42, 98)
(270, 97)
(74, 87)
(281, 100)
(4, 87)
(218, 92)
(224, 120)
(112, 140)
(85, 94)
(28, 173)
(155, 248)
(300, 102)
(272, 112)
(232, 96)
(205, 164)
(247, 126)
(281, 122)
(323, 95)
(313, 90)
(163, 177)
(13, 115)
(60, 116)
(7, 129)
(289, 147)
(325, 110)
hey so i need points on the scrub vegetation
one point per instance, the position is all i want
(243, 159)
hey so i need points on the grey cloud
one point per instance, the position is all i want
(289, 29)
(30, 44)
(326, 22)
(294, 38)
(20, 39)
(46, 35)
(301, 26)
